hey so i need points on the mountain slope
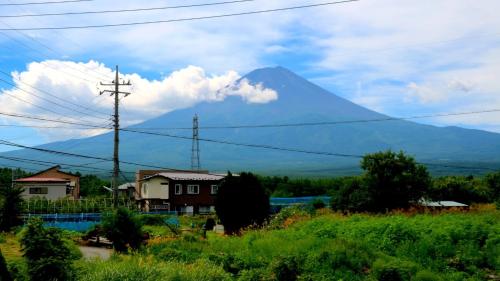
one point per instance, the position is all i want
(298, 101)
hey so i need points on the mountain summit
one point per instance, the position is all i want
(299, 101)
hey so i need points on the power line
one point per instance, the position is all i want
(126, 10)
(52, 120)
(43, 3)
(56, 97)
(46, 127)
(52, 102)
(69, 154)
(181, 19)
(322, 123)
(264, 146)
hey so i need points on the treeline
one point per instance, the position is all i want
(464, 189)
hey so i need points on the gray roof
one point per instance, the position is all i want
(442, 204)
(126, 186)
(188, 176)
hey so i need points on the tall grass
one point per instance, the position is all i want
(451, 246)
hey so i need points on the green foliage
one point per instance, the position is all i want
(124, 229)
(10, 207)
(47, 253)
(4, 272)
(278, 221)
(91, 185)
(318, 204)
(353, 195)
(462, 189)
(143, 269)
(147, 219)
(493, 183)
(394, 179)
(241, 201)
(394, 270)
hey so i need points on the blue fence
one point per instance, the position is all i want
(288, 201)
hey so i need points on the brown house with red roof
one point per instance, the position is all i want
(51, 184)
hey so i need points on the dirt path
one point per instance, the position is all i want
(95, 252)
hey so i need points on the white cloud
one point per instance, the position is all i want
(62, 82)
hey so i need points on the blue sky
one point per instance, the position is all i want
(401, 58)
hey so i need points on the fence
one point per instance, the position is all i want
(71, 206)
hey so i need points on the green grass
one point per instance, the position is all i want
(452, 246)
(325, 246)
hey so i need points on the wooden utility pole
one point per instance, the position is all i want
(116, 124)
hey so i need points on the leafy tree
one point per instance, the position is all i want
(124, 229)
(10, 207)
(394, 179)
(241, 201)
(353, 195)
(91, 185)
(4, 272)
(459, 188)
(47, 255)
(493, 183)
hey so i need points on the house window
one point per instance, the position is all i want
(204, 209)
(214, 189)
(164, 183)
(145, 188)
(193, 189)
(39, 190)
(178, 189)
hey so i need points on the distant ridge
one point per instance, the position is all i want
(298, 101)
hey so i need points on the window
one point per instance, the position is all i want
(178, 189)
(214, 189)
(145, 188)
(39, 190)
(193, 189)
(204, 210)
(164, 183)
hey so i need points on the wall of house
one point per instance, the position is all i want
(155, 188)
(204, 199)
(54, 190)
(74, 180)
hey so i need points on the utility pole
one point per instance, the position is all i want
(116, 124)
(195, 149)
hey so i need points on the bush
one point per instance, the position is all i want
(4, 271)
(318, 204)
(393, 270)
(285, 268)
(425, 275)
(124, 229)
(10, 208)
(241, 202)
(152, 219)
(47, 254)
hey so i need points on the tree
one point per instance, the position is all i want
(353, 195)
(493, 183)
(394, 179)
(124, 229)
(241, 201)
(47, 255)
(4, 272)
(10, 207)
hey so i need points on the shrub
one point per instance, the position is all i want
(152, 219)
(285, 268)
(4, 272)
(241, 202)
(10, 209)
(426, 275)
(287, 215)
(47, 254)
(124, 229)
(318, 204)
(393, 270)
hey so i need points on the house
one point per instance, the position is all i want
(127, 190)
(186, 192)
(442, 205)
(51, 184)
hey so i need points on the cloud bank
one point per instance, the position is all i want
(68, 91)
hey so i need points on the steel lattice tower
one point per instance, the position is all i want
(195, 149)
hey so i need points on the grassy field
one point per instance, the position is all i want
(325, 246)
